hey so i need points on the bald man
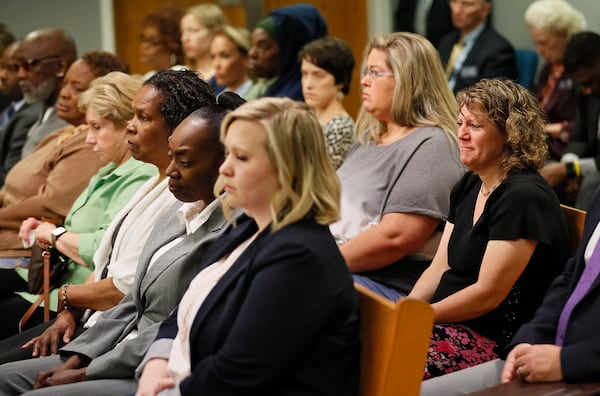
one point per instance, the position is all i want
(43, 59)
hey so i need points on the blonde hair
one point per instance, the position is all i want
(516, 113)
(111, 96)
(239, 36)
(555, 16)
(309, 185)
(209, 15)
(421, 95)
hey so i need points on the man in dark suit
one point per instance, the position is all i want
(19, 115)
(475, 50)
(429, 18)
(561, 342)
(582, 154)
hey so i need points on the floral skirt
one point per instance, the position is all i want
(455, 347)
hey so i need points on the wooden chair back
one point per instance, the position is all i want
(394, 344)
(575, 219)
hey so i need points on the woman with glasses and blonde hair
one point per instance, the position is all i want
(272, 309)
(396, 180)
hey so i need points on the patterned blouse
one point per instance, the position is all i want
(339, 136)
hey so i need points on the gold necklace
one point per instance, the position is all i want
(485, 194)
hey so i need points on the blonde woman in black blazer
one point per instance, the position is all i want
(282, 318)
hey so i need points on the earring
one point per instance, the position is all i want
(173, 59)
(60, 75)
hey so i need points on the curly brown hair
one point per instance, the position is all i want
(102, 62)
(167, 21)
(516, 113)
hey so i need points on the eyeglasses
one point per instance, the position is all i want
(374, 73)
(28, 64)
(150, 41)
(11, 67)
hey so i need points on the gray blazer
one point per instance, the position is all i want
(39, 130)
(13, 136)
(154, 294)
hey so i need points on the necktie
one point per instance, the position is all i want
(588, 276)
(553, 77)
(8, 113)
(456, 50)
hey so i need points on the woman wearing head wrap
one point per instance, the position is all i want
(276, 41)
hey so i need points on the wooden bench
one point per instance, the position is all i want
(394, 344)
(575, 219)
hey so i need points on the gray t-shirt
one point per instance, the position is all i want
(412, 175)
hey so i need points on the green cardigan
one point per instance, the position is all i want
(108, 191)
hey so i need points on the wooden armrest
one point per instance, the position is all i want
(518, 388)
(394, 344)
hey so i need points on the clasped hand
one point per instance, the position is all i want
(533, 363)
(71, 371)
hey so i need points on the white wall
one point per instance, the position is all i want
(81, 18)
(508, 19)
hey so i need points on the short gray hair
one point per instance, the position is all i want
(555, 16)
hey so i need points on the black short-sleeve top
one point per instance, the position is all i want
(523, 206)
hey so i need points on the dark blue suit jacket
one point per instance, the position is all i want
(580, 354)
(491, 56)
(282, 321)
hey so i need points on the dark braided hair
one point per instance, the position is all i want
(213, 116)
(181, 92)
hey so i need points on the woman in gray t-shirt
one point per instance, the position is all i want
(396, 180)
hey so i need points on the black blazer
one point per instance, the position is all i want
(584, 138)
(282, 321)
(580, 354)
(491, 56)
(439, 19)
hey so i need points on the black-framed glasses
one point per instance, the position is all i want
(28, 64)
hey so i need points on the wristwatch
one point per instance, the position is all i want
(56, 233)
